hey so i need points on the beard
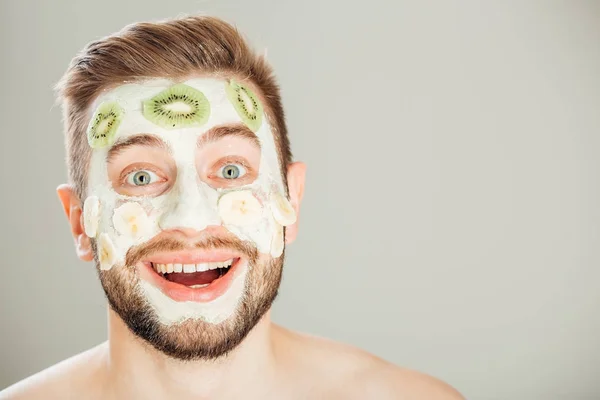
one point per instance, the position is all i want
(191, 339)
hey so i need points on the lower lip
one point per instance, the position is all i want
(183, 293)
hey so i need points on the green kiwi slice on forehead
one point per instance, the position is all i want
(179, 106)
(103, 125)
(246, 104)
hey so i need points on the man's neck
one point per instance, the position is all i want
(137, 370)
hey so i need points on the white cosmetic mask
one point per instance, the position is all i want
(255, 212)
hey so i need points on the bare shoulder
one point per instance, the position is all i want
(338, 370)
(64, 380)
(382, 380)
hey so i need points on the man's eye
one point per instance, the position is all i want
(142, 178)
(231, 171)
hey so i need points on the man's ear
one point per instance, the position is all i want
(296, 175)
(72, 206)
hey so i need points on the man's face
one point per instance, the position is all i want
(187, 219)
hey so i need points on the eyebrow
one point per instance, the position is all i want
(145, 140)
(219, 132)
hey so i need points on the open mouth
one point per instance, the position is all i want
(194, 276)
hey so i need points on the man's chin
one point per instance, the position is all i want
(189, 340)
(189, 329)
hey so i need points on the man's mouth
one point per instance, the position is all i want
(194, 275)
(198, 276)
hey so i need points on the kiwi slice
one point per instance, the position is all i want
(179, 106)
(246, 104)
(103, 126)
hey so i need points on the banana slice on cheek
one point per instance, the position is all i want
(106, 252)
(277, 243)
(282, 209)
(91, 216)
(240, 208)
(130, 219)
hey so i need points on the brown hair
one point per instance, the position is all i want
(173, 49)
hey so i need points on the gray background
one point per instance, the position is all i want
(451, 215)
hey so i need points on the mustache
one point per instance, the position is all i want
(161, 244)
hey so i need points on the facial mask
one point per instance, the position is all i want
(255, 212)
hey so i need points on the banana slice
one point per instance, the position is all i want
(277, 242)
(239, 208)
(282, 209)
(130, 219)
(91, 216)
(106, 252)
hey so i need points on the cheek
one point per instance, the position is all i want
(121, 223)
(247, 213)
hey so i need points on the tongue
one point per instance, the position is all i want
(193, 278)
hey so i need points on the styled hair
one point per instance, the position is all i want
(173, 49)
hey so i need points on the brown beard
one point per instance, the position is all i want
(191, 339)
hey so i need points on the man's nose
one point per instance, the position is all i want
(193, 208)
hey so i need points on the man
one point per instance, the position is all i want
(183, 192)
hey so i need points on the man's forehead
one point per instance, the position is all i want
(131, 96)
(129, 90)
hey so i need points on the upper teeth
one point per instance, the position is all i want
(188, 268)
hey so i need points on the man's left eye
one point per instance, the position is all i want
(142, 178)
(231, 171)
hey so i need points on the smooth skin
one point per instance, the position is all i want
(271, 363)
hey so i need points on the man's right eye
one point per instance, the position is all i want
(231, 171)
(142, 178)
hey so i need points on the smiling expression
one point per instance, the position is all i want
(219, 179)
